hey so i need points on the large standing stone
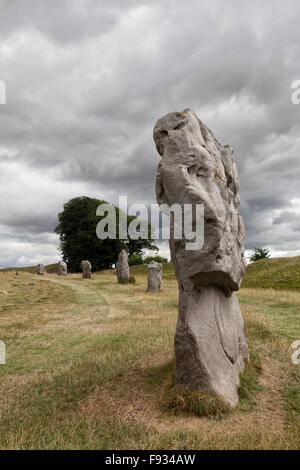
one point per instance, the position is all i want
(123, 266)
(210, 345)
(86, 269)
(62, 268)
(41, 270)
(154, 276)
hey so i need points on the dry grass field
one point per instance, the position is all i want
(88, 363)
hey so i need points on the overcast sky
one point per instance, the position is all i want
(87, 79)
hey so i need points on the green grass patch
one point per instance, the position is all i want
(258, 331)
(157, 375)
(89, 364)
(50, 268)
(275, 273)
(249, 386)
(131, 280)
(291, 394)
(286, 318)
(179, 399)
(168, 272)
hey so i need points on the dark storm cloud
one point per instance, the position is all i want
(87, 80)
(64, 21)
(284, 217)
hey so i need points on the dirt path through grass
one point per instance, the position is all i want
(85, 290)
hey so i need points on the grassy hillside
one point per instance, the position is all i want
(275, 273)
(50, 268)
(89, 363)
(168, 269)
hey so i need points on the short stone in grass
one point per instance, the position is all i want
(123, 267)
(40, 270)
(154, 276)
(62, 268)
(86, 269)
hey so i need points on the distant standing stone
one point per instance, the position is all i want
(154, 276)
(86, 269)
(62, 268)
(17, 273)
(123, 266)
(41, 269)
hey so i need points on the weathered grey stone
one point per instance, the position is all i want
(41, 270)
(62, 268)
(210, 345)
(154, 276)
(86, 269)
(123, 266)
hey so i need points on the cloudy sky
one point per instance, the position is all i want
(87, 79)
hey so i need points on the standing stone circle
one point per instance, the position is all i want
(123, 266)
(210, 346)
(86, 269)
(154, 276)
(62, 268)
(41, 270)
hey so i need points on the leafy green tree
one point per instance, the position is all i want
(158, 259)
(78, 240)
(259, 253)
(135, 259)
